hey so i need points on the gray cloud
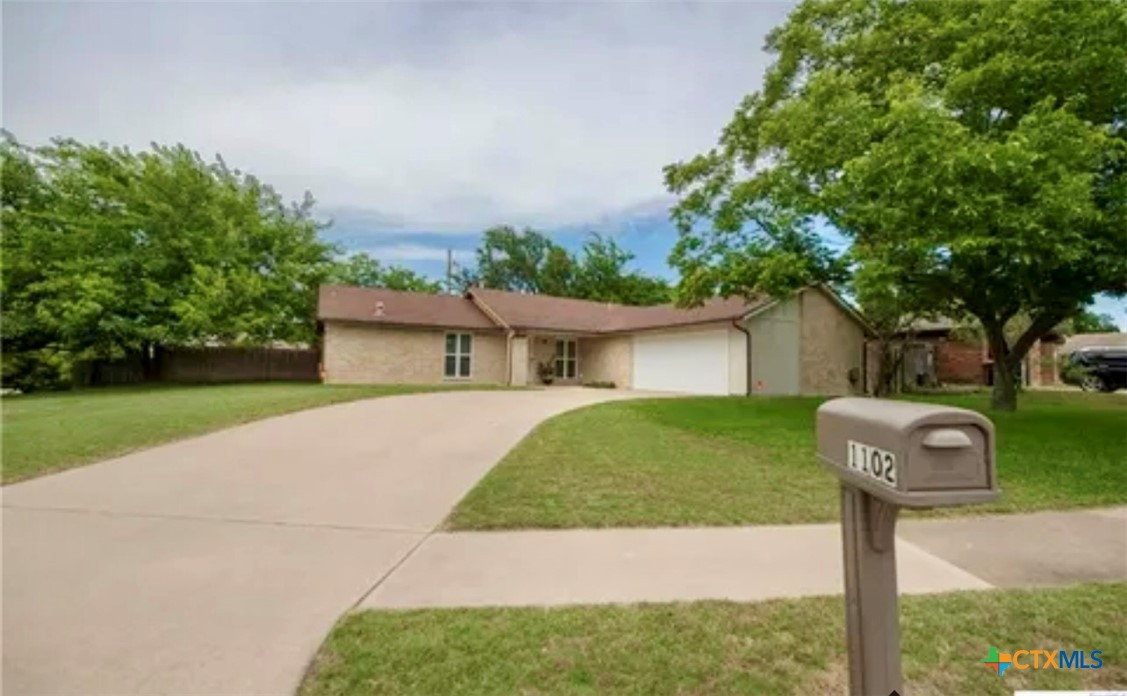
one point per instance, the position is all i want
(427, 116)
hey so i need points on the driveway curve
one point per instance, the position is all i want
(216, 565)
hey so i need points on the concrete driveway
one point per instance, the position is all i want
(216, 565)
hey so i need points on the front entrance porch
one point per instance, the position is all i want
(536, 359)
(553, 359)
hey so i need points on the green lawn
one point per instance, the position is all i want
(725, 461)
(45, 433)
(778, 647)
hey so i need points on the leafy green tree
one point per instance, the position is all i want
(108, 252)
(361, 270)
(602, 276)
(400, 278)
(358, 269)
(557, 274)
(1088, 321)
(529, 261)
(520, 261)
(976, 152)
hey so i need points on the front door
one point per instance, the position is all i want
(566, 358)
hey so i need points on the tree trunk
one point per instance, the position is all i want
(1004, 395)
(887, 364)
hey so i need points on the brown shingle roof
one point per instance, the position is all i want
(517, 310)
(1094, 340)
(660, 316)
(382, 306)
(547, 313)
(524, 311)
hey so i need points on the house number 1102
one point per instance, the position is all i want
(873, 461)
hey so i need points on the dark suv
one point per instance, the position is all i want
(1102, 369)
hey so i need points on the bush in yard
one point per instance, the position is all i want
(1072, 372)
(37, 370)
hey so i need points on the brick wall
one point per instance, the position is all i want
(609, 359)
(1050, 365)
(365, 354)
(959, 362)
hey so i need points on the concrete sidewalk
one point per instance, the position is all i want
(1041, 548)
(747, 563)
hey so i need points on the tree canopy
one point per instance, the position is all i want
(361, 270)
(1088, 321)
(974, 155)
(529, 261)
(109, 252)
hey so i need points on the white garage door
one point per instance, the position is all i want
(695, 363)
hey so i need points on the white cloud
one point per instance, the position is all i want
(438, 117)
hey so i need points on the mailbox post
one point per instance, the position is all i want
(889, 455)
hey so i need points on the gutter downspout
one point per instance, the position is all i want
(509, 356)
(747, 342)
(865, 365)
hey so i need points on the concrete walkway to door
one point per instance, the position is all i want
(216, 565)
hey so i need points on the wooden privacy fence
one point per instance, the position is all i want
(237, 364)
(203, 365)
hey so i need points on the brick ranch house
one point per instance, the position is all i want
(936, 355)
(811, 343)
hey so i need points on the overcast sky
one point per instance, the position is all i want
(405, 116)
(415, 125)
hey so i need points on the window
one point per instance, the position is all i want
(565, 358)
(459, 350)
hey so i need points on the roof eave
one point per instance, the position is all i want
(413, 325)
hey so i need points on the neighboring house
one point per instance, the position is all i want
(935, 354)
(811, 343)
(1094, 340)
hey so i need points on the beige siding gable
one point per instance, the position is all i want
(832, 345)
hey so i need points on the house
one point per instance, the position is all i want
(936, 353)
(811, 343)
(1093, 340)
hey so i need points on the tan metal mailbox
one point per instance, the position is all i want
(888, 455)
(909, 454)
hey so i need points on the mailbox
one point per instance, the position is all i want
(889, 455)
(909, 454)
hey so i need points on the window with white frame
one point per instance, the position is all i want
(565, 358)
(459, 354)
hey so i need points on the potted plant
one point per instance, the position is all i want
(546, 372)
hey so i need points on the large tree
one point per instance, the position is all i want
(109, 252)
(521, 261)
(974, 151)
(529, 261)
(361, 270)
(603, 276)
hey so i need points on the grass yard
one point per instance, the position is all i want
(727, 461)
(777, 647)
(45, 433)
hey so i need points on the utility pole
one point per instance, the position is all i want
(449, 271)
